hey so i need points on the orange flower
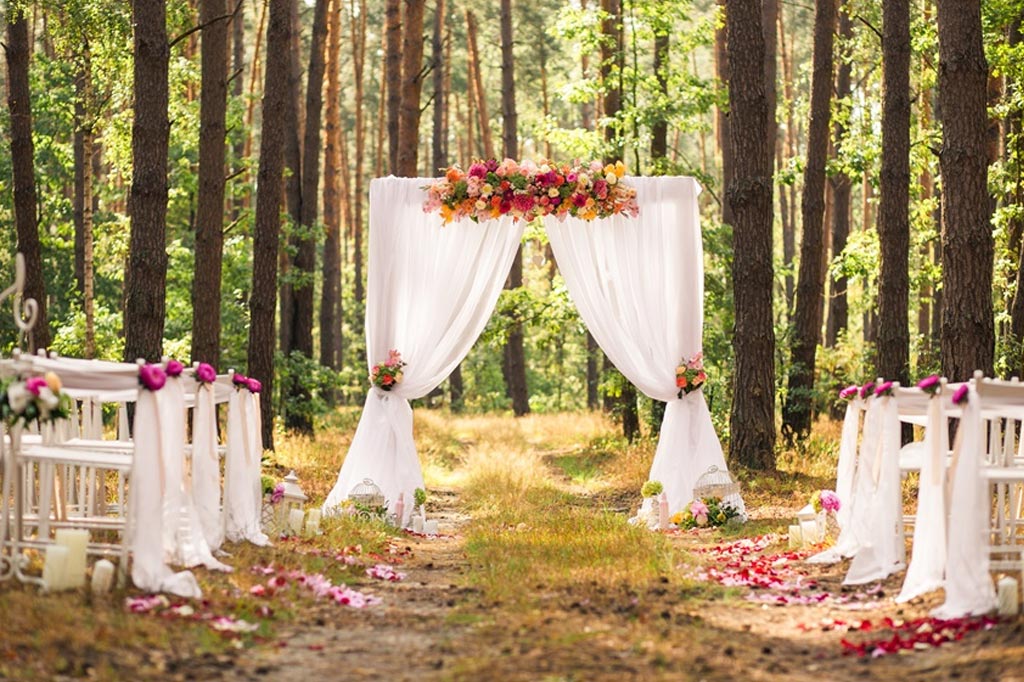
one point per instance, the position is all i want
(453, 174)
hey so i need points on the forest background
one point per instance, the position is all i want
(246, 245)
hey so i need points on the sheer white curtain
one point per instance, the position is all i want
(206, 466)
(638, 284)
(846, 544)
(243, 495)
(431, 289)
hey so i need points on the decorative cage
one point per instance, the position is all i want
(367, 494)
(718, 483)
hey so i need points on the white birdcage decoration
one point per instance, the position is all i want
(718, 483)
(368, 499)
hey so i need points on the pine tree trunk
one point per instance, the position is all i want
(659, 129)
(239, 200)
(797, 410)
(293, 181)
(393, 77)
(210, 211)
(968, 328)
(330, 323)
(147, 203)
(723, 134)
(19, 103)
(787, 202)
(412, 81)
(358, 31)
(83, 201)
(478, 86)
(838, 309)
(892, 359)
(1015, 136)
(749, 195)
(268, 212)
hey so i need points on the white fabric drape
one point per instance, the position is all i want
(146, 499)
(430, 291)
(846, 471)
(243, 494)
(879, 511)
(638, 284)
(206, 467)
(928, 553)
(969, 589)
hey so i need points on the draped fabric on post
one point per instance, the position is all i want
(206, 466)
(243, 496)
(638, 284)
(149, 482)
(431, 290)
(845, 481)
(969, 589)
(879, 510)
(928, 558)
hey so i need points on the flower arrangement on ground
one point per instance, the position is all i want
(388, 374)
(707, 512)
(825, 500)
(651, 488)
(35, 398)
(491, 189)
(690, 375)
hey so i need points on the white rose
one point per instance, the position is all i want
(611, 178)
(480, 204)
(583, 179)
(48, 398)
(553, 192)
(545, 168)
(486, 190)
(18, 397)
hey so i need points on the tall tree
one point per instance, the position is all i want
(480, 97)
(515, 357)
(723, 132)
(146, 277)
(393, 76)
(796, 412)
(209, 251)
(239, 200)
(892, 359)
(294, 125)
(838, 309)
(968, 327)
(330, 292)
(84, 146)
(26, 220)
(1015, 148)
(412, 81)
(304, 240)
(749, 195)
(267, 227)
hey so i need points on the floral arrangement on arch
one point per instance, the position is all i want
(388, 374)
(35, 398)
(526, 190)
(712, 511)
(690, 375)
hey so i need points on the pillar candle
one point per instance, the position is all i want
(295, 518)
(313, 522)
(795, 537)
(417, 523)
(1007, 596)
(809, 532)
(102, 576)
(430, 527)
(76, 540)
(55, 565)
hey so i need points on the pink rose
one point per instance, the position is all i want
(254, 385)
(205, 373)
(152, 377)
(174, 368)
(35, 384)
(240, 380)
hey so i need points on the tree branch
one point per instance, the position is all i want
(200, 27)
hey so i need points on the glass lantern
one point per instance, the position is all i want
(294, 500)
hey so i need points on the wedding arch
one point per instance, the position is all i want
(638, 283)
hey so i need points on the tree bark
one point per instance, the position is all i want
(330, 321)
(239, 200)
(723, 134)
(787, 202)
(968, 327)
(147, 203)
(393, 77)
(358, 30)
(838, 309)
(268, 212)
(752, 419)
(210, 211)
(478, 86)
(26, 219)
(892, 359)
(659, 129)
(1015, 135)
(84, 145)
(412, 81)
(797, 410)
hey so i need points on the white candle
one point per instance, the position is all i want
(295, 518)
(417, 523)
(430, 527)
(76, 540)
(102, 576)
(1007, 596)
(809, 532)
(55, 566)
(795, 537)
(313, 522)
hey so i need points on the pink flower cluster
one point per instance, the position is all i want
(385, 572)
(919, 634)
(160, 605)
(317, 583)
(152, 377)
(829, 501)
(490, 189)
(388, 374)
(242, 381)
(205, 373)
(690, 375)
